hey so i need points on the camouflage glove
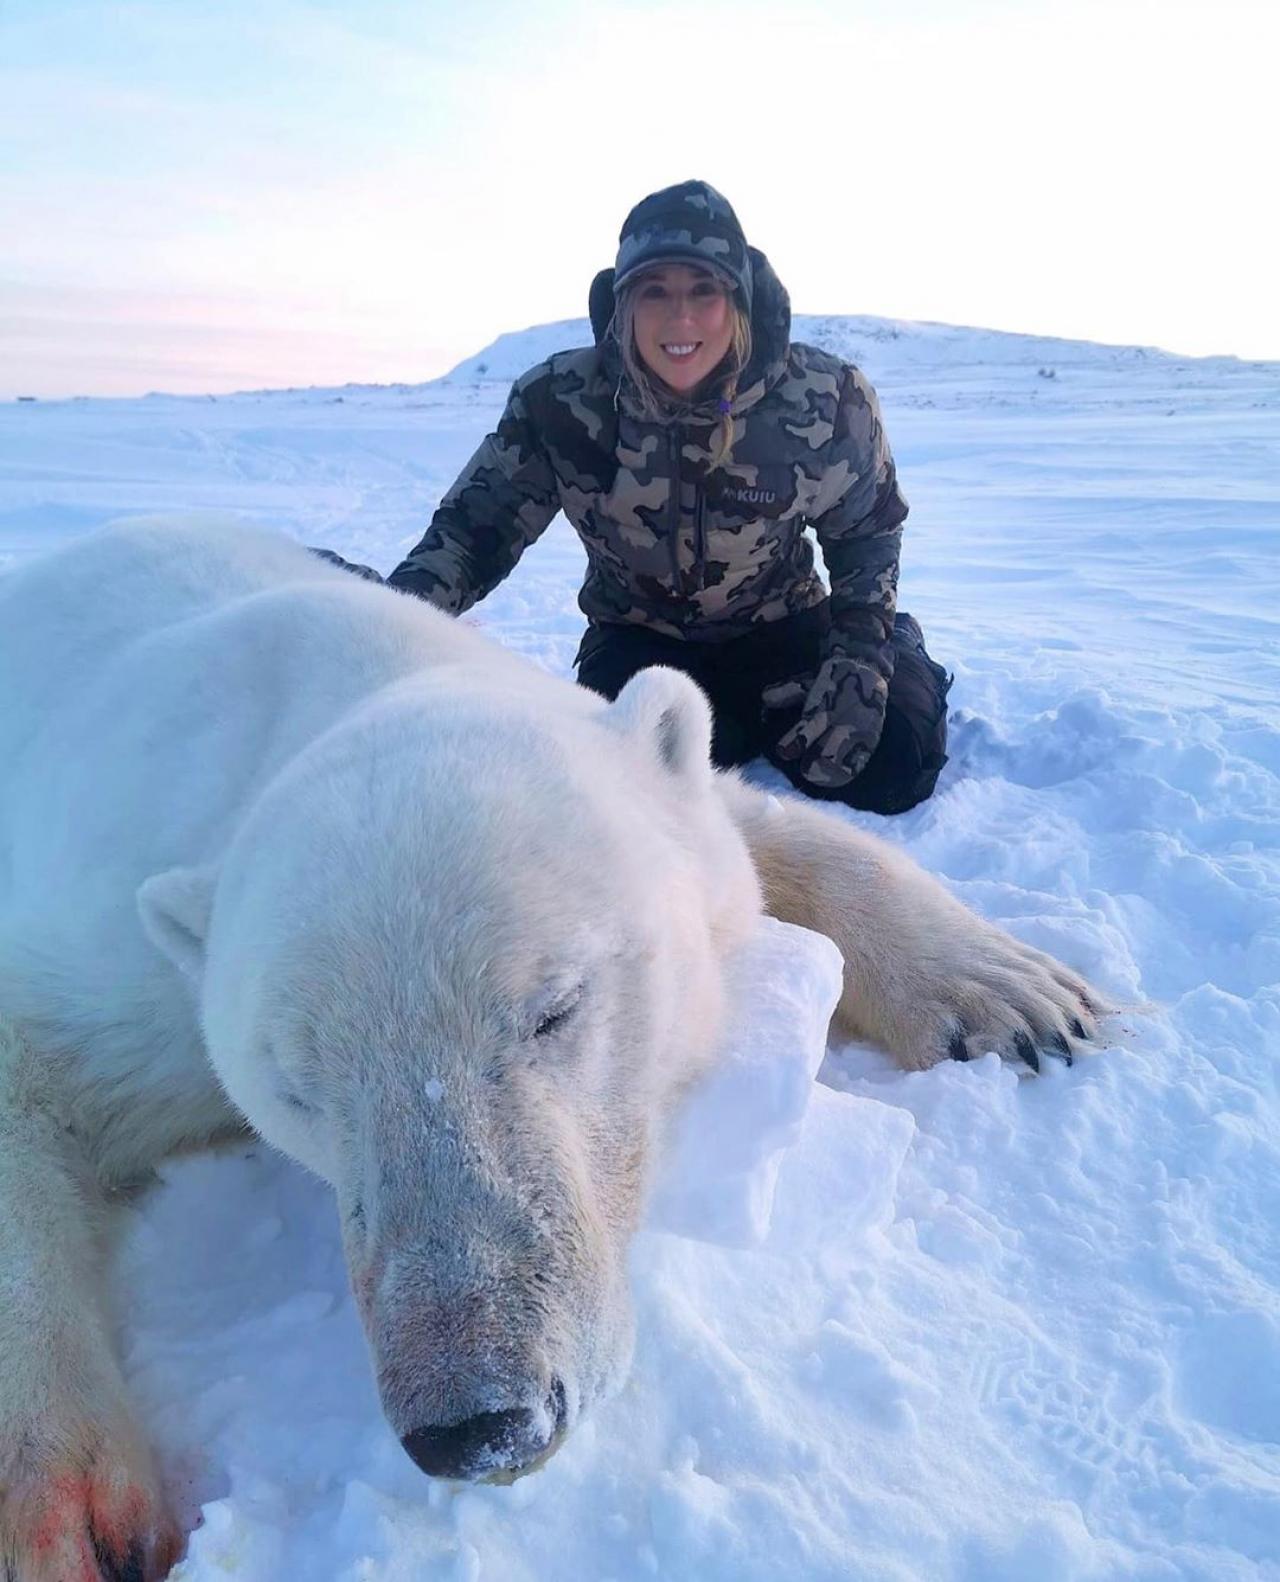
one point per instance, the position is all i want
(367, 572)
(841, 716)
(786, 696)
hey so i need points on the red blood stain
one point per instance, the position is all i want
(75, 1510)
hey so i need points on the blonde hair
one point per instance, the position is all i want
(654, 403)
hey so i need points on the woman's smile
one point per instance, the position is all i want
(683, 325)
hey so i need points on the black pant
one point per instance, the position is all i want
(902, 771)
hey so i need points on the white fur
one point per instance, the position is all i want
(924, 977)
(281, 846)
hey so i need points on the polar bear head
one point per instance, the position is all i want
(458, 959)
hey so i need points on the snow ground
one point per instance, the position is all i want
(998, 1330)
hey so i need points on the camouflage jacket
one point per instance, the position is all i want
(672, 543)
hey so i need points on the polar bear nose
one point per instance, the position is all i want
(490, 1443)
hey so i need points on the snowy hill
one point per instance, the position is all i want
(901, 353)
(883, 347)
(999, 1331)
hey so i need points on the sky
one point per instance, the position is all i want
(209, 195)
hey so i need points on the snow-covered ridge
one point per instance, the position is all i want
(884, 348)
(859, 338)
(897, 353)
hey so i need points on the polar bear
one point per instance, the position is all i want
(286, 850)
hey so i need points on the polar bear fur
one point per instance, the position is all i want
(283, 849)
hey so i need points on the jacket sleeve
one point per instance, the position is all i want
(860, 533)
(504, 499)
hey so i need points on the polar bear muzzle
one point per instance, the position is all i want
(496, 1447)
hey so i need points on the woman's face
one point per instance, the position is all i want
(683, 324)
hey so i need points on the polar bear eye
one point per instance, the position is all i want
(557, 1014)
(295, 1103)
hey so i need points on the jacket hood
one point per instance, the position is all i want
(770, 329)
(690, 221)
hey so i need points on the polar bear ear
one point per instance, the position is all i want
(672, 712)
(175, 908)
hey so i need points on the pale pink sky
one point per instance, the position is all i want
(216, 194)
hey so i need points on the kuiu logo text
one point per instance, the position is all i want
(745, 496)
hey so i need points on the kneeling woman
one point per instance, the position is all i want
(690, 448)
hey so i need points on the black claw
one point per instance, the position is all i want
(1059, 1046)
(1027, 1050)
(130, 1569)
(956, 1048)
(1077, 1027)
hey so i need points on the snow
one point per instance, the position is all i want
(952, 1325)
(784, 987)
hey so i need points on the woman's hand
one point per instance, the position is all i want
(841, 715)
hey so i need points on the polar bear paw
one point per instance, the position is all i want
(997, 995)
(96, 1516)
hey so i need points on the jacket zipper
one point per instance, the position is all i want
(674, 438)
(700, 535)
